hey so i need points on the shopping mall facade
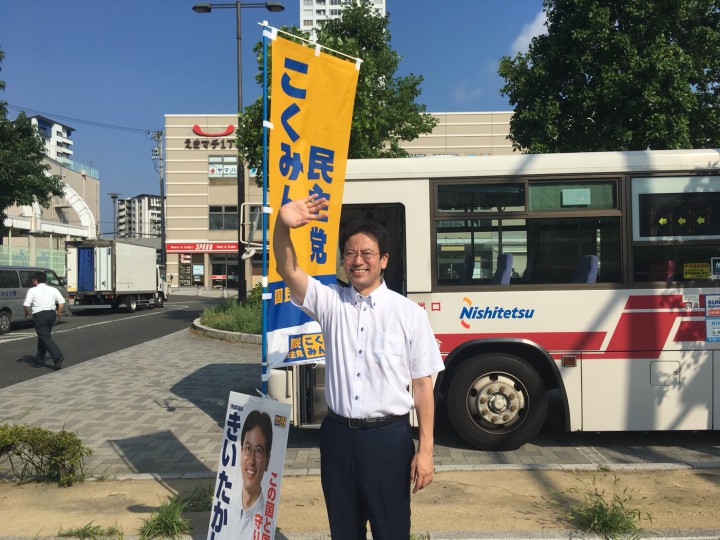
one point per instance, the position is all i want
(201, 217)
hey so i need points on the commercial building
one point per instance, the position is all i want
(33, 235)
(201, 178)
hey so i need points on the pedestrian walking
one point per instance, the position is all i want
(45, 303)
(380, 355)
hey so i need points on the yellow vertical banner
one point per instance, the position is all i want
(312, 95)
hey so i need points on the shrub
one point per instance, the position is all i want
(38, 454)
(235, 317)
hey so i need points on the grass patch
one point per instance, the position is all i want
(200, 500)
(167, 522)
(93, 531)
(232, 316)
(610, 516)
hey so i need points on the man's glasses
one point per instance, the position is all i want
(249, 450)
(366, 254)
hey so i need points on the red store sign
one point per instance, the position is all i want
(202, 247)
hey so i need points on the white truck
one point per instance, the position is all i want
(112, 274)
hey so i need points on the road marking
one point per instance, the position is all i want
(15, 336)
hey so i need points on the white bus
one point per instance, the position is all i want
(589, 275)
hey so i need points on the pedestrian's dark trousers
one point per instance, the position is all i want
(365, 476)
(44, 321)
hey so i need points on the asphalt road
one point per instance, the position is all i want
(92, 333)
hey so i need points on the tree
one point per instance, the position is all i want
(23, 174)
(385, 111)
(618, 75)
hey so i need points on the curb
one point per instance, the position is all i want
(232, 337)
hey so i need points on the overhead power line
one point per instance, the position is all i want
(79, 120)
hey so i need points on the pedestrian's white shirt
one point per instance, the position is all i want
(374, 347)
(42, 297)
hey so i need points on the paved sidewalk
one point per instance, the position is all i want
(155, 410)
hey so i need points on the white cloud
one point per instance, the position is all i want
(529, 31)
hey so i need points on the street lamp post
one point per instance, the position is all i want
(114, 196)
(204, 7)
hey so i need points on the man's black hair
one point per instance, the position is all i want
(371, 228)
(262, 420)
(41, 277)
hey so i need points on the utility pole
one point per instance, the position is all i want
(157, 157)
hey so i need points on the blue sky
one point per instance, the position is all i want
(101, 66)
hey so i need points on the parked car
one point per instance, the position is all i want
(14, 284)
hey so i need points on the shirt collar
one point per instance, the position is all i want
(378, 295)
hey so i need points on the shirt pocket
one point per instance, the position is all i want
(389, 348)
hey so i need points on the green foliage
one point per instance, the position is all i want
(618, 75)
(232, 316)
(93, 532)
(23, 174)
(610, 518)
(167, 522)
(38, 454)
(385, 111)
(200, 500)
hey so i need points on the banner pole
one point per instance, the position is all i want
(265, 374)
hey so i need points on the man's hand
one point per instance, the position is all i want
(301, 212)
(422, 470)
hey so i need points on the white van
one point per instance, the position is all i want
(14, 284)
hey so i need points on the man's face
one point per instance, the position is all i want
(255, 458)
(362, 263)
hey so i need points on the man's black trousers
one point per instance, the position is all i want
(44, 321)
(365, 477)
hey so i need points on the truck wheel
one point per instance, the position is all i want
(160, 301)
(496, 402)
(5, 321)
(131, 304)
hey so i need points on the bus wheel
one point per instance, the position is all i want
(496, 402)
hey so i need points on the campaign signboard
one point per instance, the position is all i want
(247, 489)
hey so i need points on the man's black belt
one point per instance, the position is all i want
(366, 423)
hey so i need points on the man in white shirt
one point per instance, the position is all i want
(45, 303)
(378, 345)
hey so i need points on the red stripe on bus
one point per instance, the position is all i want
(551, 341)
(659, 301)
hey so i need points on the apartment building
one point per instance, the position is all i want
(56, 137)
(314, 11)
(139, 217)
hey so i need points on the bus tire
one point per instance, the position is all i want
(496, 401)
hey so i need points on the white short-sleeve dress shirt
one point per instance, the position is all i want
(42, 297)
(374, 347)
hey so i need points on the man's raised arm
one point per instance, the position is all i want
(291, 216)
